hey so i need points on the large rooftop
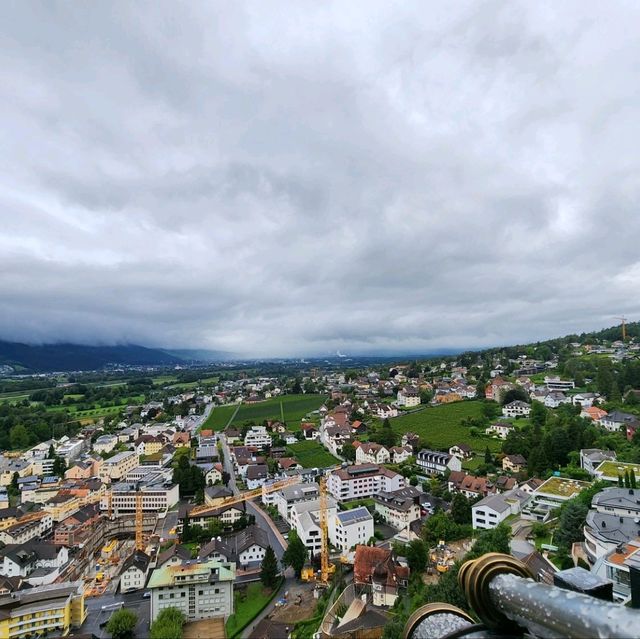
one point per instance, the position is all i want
(612, 469)
(167, 575)
(562, 487)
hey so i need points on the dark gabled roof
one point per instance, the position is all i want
(233, 545)
(177, 550)
(138, 559)
(30, 551)
(257, 471)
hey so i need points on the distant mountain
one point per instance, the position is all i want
(44, 358)
(201, 355)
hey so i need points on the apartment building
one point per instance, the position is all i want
(399, 508)
(361, 481)
(258, 436)
(494, 509)
(27, 528)
(199, 589)
(305, 518)
(134, 571)
(158, 494)
(371, 453)
(116, 468)
(349, 528)
(408, 397)
(52, 610)
(434, 462)
(287, 497)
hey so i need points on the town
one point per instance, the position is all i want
(230, 501)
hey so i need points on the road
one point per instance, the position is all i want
(286, 587)
(277, 541)
(167, 524)
(96, 615)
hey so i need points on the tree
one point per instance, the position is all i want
(59, 466)
(632, 478)
(168, 624)
(269, 569)
(122, 624)
(620, 481)
(417, 552)
(19, 437)
(386, 436)
(348, 451)
(515, 394)
(296, 553)
(52, 452)
(627, 481)
(461, 509)
(488, 457)
(571, 523)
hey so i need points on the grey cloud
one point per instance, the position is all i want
(296, 178)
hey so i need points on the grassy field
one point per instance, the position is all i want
(312, 454)
(440, 426)
(247, 608)
(290, 408)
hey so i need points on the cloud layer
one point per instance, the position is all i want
(297, 177)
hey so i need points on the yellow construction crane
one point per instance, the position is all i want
(624, 327)
(139, 521)
(246, 496)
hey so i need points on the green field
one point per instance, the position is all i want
(247, 606)
(440, 427)
(291, 408)
(312, 454)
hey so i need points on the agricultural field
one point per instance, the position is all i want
(440, 426)
(291, 409)
(312, 454)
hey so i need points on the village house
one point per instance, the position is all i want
(499, 429)
(436, 463)
(516, 409)
(470, 486)
(400, 453)
(399, 508)
(514, 463)
(462, 451)
(593, 413)
(408, 397)
(555, 399)
(371, 453)
(377, 568)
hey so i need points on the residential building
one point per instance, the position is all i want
(226, 515)
(246, 548)
(134, 571)
(514, 463)
(258, 436)
(591, 458)
(616, 566)
(385, 411)
(593, 413)
(158, 494)
(310, 431)
(105, 444)
(549, 496)
(256, 475)
(350, 528)
(494, 509)
(585, 400)
(557, 384)
(462, 451)
(516, 408)
(52, 609)
(174, 555)
(359, 482)
(27, 528)
(435, 462)
(399, 508)
(23, 559)
(199, 589)
(378, 569)
(500, 429)
(408, 397)
(148, 445)
(305, 518)
(617, 420)
(400, 453)
(371, 453)
(285, 498)
(116, 467)
(470, 486)
(555, 399)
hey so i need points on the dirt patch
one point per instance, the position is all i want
(205, 629)
(299, 606)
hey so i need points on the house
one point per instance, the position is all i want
(504, 483)
(386, 411)
(557, 384)
(470, 486)
(246, 548)
(591, 458)
(232, 435)
(171, 586)
(24, 559)
(593, 413)
(335, 437)
(585, 400)
(147, 445)
(616, 420)
(399, 508)
(616, 566)
(462, 451)
(256, 476)
(400, 453)
(494, 509)
(349, 528)
(549, 496)
(174, 555)
(377, 568)
(288, 463)
(516, 409)
(514, 463)
(499, 429)
(497, 388)
(289, 438)
(309, 431)
(286, 497)
(105, 444)
(555, 399)
(410, 439)
(531, 485)
(436, 463)
(371, 453)
(134, 571)
(408, 397)
(361, 481)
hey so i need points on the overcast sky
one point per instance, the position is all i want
(282, 178)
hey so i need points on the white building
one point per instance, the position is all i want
(501, 429)
(435, 462)
(555, 399)
(557, 384)
(134, 572)
(494, 509)
(258, 436)
(591, 458)
(105, 444)
(117, 467)
(359, 482)
(305, 518)
(158, 495)
(516, 409)
(408, 397)
(399, 508)
(199, 589)
(287, 497)
(350, 528)
(372, 453)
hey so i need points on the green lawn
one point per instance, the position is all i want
(294, 408)
(312, 454)
(247, 606)
(473, 463)
(440, 426)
